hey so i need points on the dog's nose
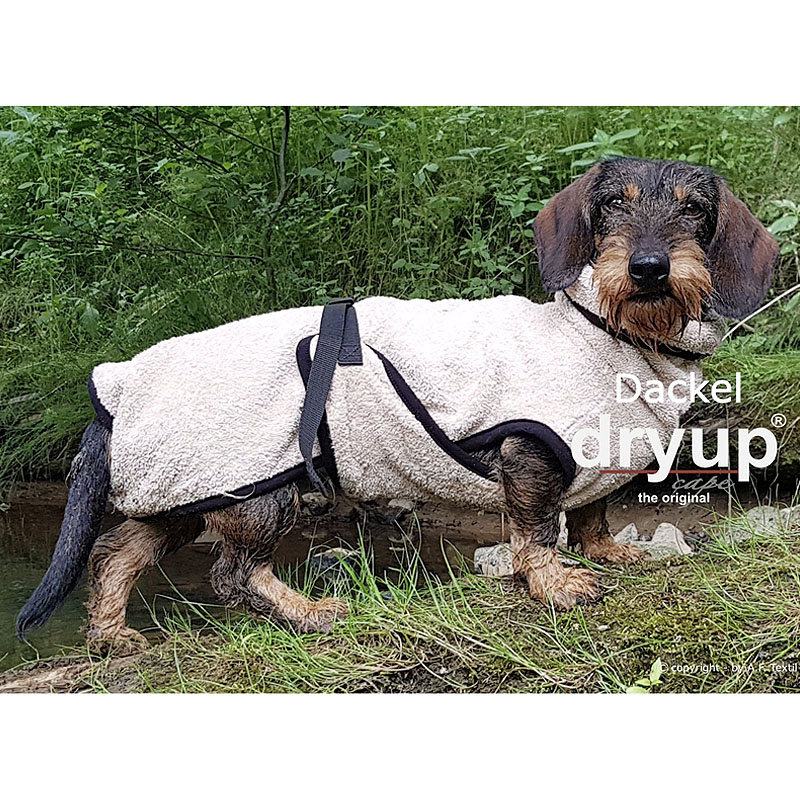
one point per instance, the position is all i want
(649, 270)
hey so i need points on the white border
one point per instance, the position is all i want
(410, 53)
(400, 746)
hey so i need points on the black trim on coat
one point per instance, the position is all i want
(657, 347)
(538, 430)
(459, 450)
(239, 495)
(103, 415)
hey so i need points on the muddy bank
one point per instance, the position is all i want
(721, 620)
(444, 536)
(65, 675)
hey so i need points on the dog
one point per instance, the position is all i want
(640, 255)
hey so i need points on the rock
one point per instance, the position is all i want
(761, 521)
(495, 561)
(562, 530)
(667, 541)
(790, 518)
(316, 503)
(765, 520)
(697, 540)
(403, 505)
(392, 513)
(733, 533)
(630, 533)
(331, 562)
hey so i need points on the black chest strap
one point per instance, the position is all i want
(338, 343)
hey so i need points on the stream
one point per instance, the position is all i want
(30, 526)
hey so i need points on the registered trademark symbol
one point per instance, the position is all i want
(778, 420)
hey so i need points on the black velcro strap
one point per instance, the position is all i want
(338, 342)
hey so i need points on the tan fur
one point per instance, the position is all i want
(117, 560)
(243, 574)
(304, 615)
(587, 527)
(631, 191)
(548, 579)
(681, 193)
(689, 282)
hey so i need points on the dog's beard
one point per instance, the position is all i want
(659, 317)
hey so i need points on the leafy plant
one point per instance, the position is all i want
(644, 685)
(601, 146)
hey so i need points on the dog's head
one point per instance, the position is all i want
(665, 238)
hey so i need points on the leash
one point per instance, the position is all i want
(656, 347)
(338, 343)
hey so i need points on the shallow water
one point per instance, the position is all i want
(28, 532)
(444, 537)
(30, 527)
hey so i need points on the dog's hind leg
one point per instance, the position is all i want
(117, 560)
(243, 576)
(588, 526)
(534, 488)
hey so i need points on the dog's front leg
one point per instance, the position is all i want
(534, 489)
(588, 526)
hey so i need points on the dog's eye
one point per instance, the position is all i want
(692, 209)
(614, 202)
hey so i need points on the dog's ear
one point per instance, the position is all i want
(563, 234)
(741, 258)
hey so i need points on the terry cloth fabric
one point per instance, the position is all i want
(203, 420)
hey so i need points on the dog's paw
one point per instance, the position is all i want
(575, 587)
(608, 551)
(124, 642)
(322, 615)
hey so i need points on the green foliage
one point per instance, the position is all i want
(122, 226)
(644, 685)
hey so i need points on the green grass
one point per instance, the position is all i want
(123, 226)
(724, 620)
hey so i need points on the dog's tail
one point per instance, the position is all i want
(88, 492)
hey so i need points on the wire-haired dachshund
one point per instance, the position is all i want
(668, 243)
